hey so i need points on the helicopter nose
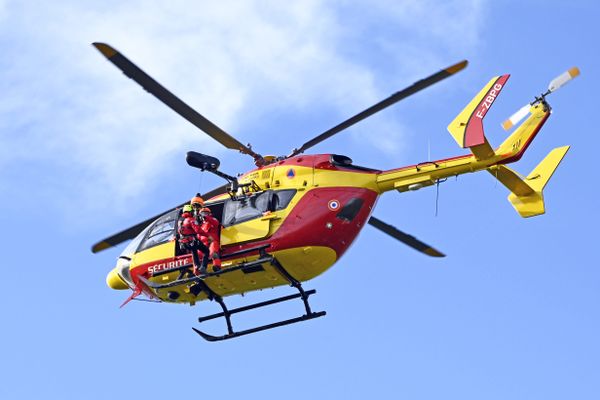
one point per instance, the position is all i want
(114, 281)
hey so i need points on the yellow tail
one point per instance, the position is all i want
(467, 127)
(527, 194)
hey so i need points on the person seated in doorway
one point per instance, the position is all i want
(188, 230)
(211, 235)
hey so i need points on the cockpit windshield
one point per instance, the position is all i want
(133, 245)
(160, 231)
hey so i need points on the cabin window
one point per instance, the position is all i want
(162, 231)
(253, 206)
(281, 198)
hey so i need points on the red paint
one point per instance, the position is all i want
(317, 161)
(518, 156)
(474, 131)
(306, 225)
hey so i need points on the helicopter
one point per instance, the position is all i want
(292, 217)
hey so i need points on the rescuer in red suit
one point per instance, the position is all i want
(189, 239)
(211, 236)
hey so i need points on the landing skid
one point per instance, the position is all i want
(200, 285)
(233, 334)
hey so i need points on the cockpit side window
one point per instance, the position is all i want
(245, 208)
(250, 207)
(162, 231)
(281, 199)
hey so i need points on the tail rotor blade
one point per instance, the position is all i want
(554, 85)
(516, 117)
(563, 79)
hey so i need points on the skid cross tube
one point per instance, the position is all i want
(227, 313)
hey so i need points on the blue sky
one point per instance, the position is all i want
(511, 312)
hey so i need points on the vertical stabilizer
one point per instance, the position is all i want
(467, 127)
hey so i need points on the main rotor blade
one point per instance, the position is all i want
(405, 238)
(135, 230)
(396, 97)
(168, 98)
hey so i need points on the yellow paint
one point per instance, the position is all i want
(532, 204)
(254, 229)
(306, 178)
(428, 173)
(328, 178)
(160, 252)
(303, 176)
(114, 281)
(303, 263)
(520, 137)
(458, 126)
(511, 180)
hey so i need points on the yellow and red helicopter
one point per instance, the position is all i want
(292, 217)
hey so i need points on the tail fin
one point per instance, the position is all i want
(527, 194)
(467, 127)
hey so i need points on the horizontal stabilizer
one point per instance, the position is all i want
(540, 176)
(527, 194)
(511, 180)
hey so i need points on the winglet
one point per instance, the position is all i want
(527, 194)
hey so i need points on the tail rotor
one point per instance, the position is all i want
(554, 85)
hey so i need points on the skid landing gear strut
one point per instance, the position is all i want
(198, 285)
(231, 333)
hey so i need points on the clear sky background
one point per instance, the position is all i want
(511, 313)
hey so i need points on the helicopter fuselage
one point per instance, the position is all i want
(314, 208)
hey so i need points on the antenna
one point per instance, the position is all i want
(428, 149)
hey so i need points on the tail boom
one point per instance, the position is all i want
(526, 193)
(428, 173)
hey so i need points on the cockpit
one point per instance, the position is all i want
(229, 212)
